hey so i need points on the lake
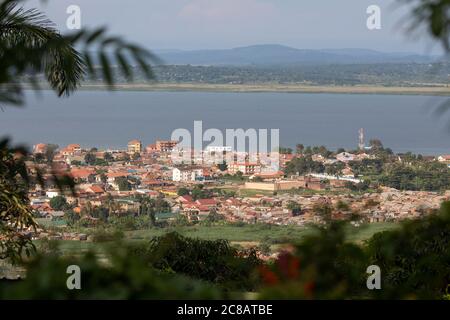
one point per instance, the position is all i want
(110, 119)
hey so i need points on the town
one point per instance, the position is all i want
(312, 185)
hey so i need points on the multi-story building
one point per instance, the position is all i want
(134, 146)
(247, 168)
(165, 146)
(72, 150)
(187, 174)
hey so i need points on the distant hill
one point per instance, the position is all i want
(269, 54)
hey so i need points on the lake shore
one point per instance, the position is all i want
(438, 90)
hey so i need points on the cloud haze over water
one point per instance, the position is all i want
(204, 24)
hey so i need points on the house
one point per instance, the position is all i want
(40, 148)
(185, 199)
(83, 175)
(95, 189)
(150, 193)
(187, 174)
(52, 193)
(206, 203)
(444, 158)
(247, 168)
(71, 150)
(151, 148)
(345, 157)
(111, 176)
(165, 146)
(134, 146)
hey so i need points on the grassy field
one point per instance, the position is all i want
(245, 235)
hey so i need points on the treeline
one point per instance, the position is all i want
(386, 74)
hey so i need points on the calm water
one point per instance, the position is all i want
(110, 119)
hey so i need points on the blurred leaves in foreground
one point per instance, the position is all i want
(414, 262)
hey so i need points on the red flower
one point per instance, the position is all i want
(288, 265)
(268, 276)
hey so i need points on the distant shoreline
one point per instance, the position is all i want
(437, 90)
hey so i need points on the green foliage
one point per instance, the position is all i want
(323, 209)
(428, 176)
(283, 150)
(71, 217)
(106, 235)
(59, 203)
(15, 212)
(415, 260)
(434, 15)
(222, 166)
(90, 158)
(124, 277)
(200, 192)
(303, 165)
(131, 222)
(213, 261)
(323, 266)
(183, 191)
(214, 216)
(123, 183)
(343, 206)
(30, 46)
(334, 169)
(377, 74)
(295, 207)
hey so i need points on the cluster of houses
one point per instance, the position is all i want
(120, 175)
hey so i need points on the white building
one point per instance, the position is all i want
(345, 157)
(187, 174)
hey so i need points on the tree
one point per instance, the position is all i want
(71, 217)
(214, 216)
(15, 213)
(50, 152)
(294, 207)
(108, 157)
(323, 209)
(30, 46)
(123, 183)
(284, 150)
(334, 169)
(90, 158)
(58, 203)
(222, 166)
(183, 191)
(299, 148)
(136, 156)
(303, 165)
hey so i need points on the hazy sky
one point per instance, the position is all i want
(202, 24)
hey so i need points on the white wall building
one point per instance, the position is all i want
(187, 174)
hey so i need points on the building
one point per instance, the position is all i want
(444, 158)
(134, 146)
(151, 148)
(345, 157)
(72, 150)
(247, 168)
(40, 148)
(165, 146)
(187, 174)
